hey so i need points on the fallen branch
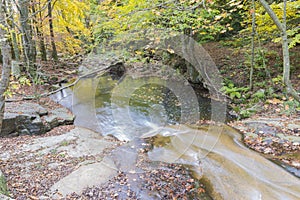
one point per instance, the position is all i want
(91, 74)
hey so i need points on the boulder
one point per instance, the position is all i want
(26, 108)
(32, 119)
(64, 116)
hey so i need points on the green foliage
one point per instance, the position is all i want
(291, 106)
(260, 94)
(277, 80)
(268, 30)
(233, 91)
(203, 20)
(246, 113)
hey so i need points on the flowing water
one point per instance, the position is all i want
(215, 154)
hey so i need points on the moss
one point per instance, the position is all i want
(3, 186)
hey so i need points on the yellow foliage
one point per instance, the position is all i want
(266, 26)
(69, 25)
(131, 14)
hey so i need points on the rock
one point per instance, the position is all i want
(26, 108)
(85, 176)
(261, 128)
(51, 120)
(267, 140)
(29, 124)
(87, 143)
(64, 116)
(251, 135)
(3, 186)
(8, 125)
(289, 137)
(293, 126)
(3, 197)
(32, 119)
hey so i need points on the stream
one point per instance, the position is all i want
(215, 153)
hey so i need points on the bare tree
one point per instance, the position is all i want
(285, 47)
(6, 57)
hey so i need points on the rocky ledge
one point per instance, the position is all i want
(28, 118)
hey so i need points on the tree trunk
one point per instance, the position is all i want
(9, 11)
(285, 48)
(252, 46)
(28, 43)
(6, 67)
(39, 33)
(54, 51)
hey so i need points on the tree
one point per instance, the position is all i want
(37, 22)
(9, 12)
(27, 39)
(285, 47)
(6, 66)
(54, 51)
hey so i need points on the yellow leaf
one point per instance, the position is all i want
(170, 50)
(274, 101)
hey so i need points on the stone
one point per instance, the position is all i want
(64, 116)
(51, 120)
(32, 124)
(293, 126)
(8, 125)
(26, 108)
(85, 176)
(32, 119)
(289, 137)
(87, 143)
(3, 197)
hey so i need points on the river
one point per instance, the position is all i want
(214, 153)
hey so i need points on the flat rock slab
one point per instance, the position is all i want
(64, 117)
(32, 119)
(264, 126)
(76, 143)
(85, 176)
(26, 108)
(3, 197)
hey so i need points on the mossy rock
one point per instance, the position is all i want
(3, 186)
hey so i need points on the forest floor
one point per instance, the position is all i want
(231, 64)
